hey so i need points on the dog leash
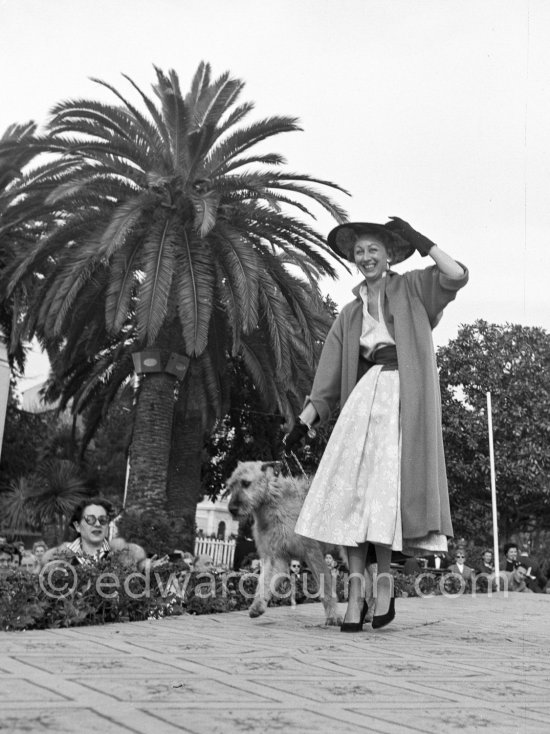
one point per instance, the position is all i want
(286, 465)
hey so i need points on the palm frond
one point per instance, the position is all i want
(244, 138)
(240, 265)
(124, 268)
(176, 119)
(158, 261)
(194, 291)
(62, 488)
(16, 504)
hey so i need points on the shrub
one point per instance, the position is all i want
(67, 596)
(108, 591)
(152, 530)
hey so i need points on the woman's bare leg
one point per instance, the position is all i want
(357, 558)
(383, 582)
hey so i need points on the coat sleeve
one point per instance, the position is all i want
(325, 392)
(435, 289)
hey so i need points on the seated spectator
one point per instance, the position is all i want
(486, 565)
(516, 579)
(183, 558)
(460, 567)
(332, 563)
(534, 578)
(29, 562)
(15, 557)
(188, 558)
(203, 563)
(6, 559)
(39, 548)
(91, 521)
(295, 568)
(437, 560)
(510, 556)
(250, 563)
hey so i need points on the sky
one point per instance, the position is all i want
(437, 111)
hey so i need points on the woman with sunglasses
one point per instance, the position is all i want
(381, 481)
(459, 566)
(91, 521)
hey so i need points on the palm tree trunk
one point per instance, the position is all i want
(150, 446)
(184, 487)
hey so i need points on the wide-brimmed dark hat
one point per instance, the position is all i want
(343, 238)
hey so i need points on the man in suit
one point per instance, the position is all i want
(437, 560)
(534, 578)
(460, 567)
(517, 579)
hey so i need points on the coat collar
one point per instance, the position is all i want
(357, 288)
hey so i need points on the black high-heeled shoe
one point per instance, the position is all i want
(356, 626)
(381, 620)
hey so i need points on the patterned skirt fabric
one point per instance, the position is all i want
(355, 494)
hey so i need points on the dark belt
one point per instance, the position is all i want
(386, 356)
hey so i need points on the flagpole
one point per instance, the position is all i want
(493, 484)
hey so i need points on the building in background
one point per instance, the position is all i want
(214, 518)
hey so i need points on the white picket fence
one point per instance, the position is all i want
(221, 551)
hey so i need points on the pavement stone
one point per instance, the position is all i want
(469, 664)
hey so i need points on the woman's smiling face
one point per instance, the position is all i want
(371, 257)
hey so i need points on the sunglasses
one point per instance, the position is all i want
(92, 519)
(459, 556)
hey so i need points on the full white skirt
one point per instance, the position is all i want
(355, 495)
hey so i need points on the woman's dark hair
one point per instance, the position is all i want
(7, 549)
(508, 546)
(101, 501)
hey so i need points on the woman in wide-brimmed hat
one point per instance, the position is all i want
(382, 477)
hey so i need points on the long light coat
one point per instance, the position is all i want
(413, 303)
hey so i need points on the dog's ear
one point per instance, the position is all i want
(275, 465)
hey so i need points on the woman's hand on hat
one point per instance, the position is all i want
(422, 244)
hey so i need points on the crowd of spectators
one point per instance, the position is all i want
(523, 572)
(91, 523)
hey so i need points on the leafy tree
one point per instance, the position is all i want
(168, 229)
(250, 431)
(106, 455)
(23, 433)
(43, 474)
(512, 362)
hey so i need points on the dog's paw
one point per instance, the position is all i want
(258, 608)
(333, 621)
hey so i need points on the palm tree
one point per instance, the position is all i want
(45, 499)
(16, 152)
(168, 229)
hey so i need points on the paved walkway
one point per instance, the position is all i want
(445, 665)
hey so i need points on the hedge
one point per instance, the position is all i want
(107, 591)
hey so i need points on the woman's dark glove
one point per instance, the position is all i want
(419, 242)
(293, 439)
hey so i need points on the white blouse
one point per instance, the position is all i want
(374, 334)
